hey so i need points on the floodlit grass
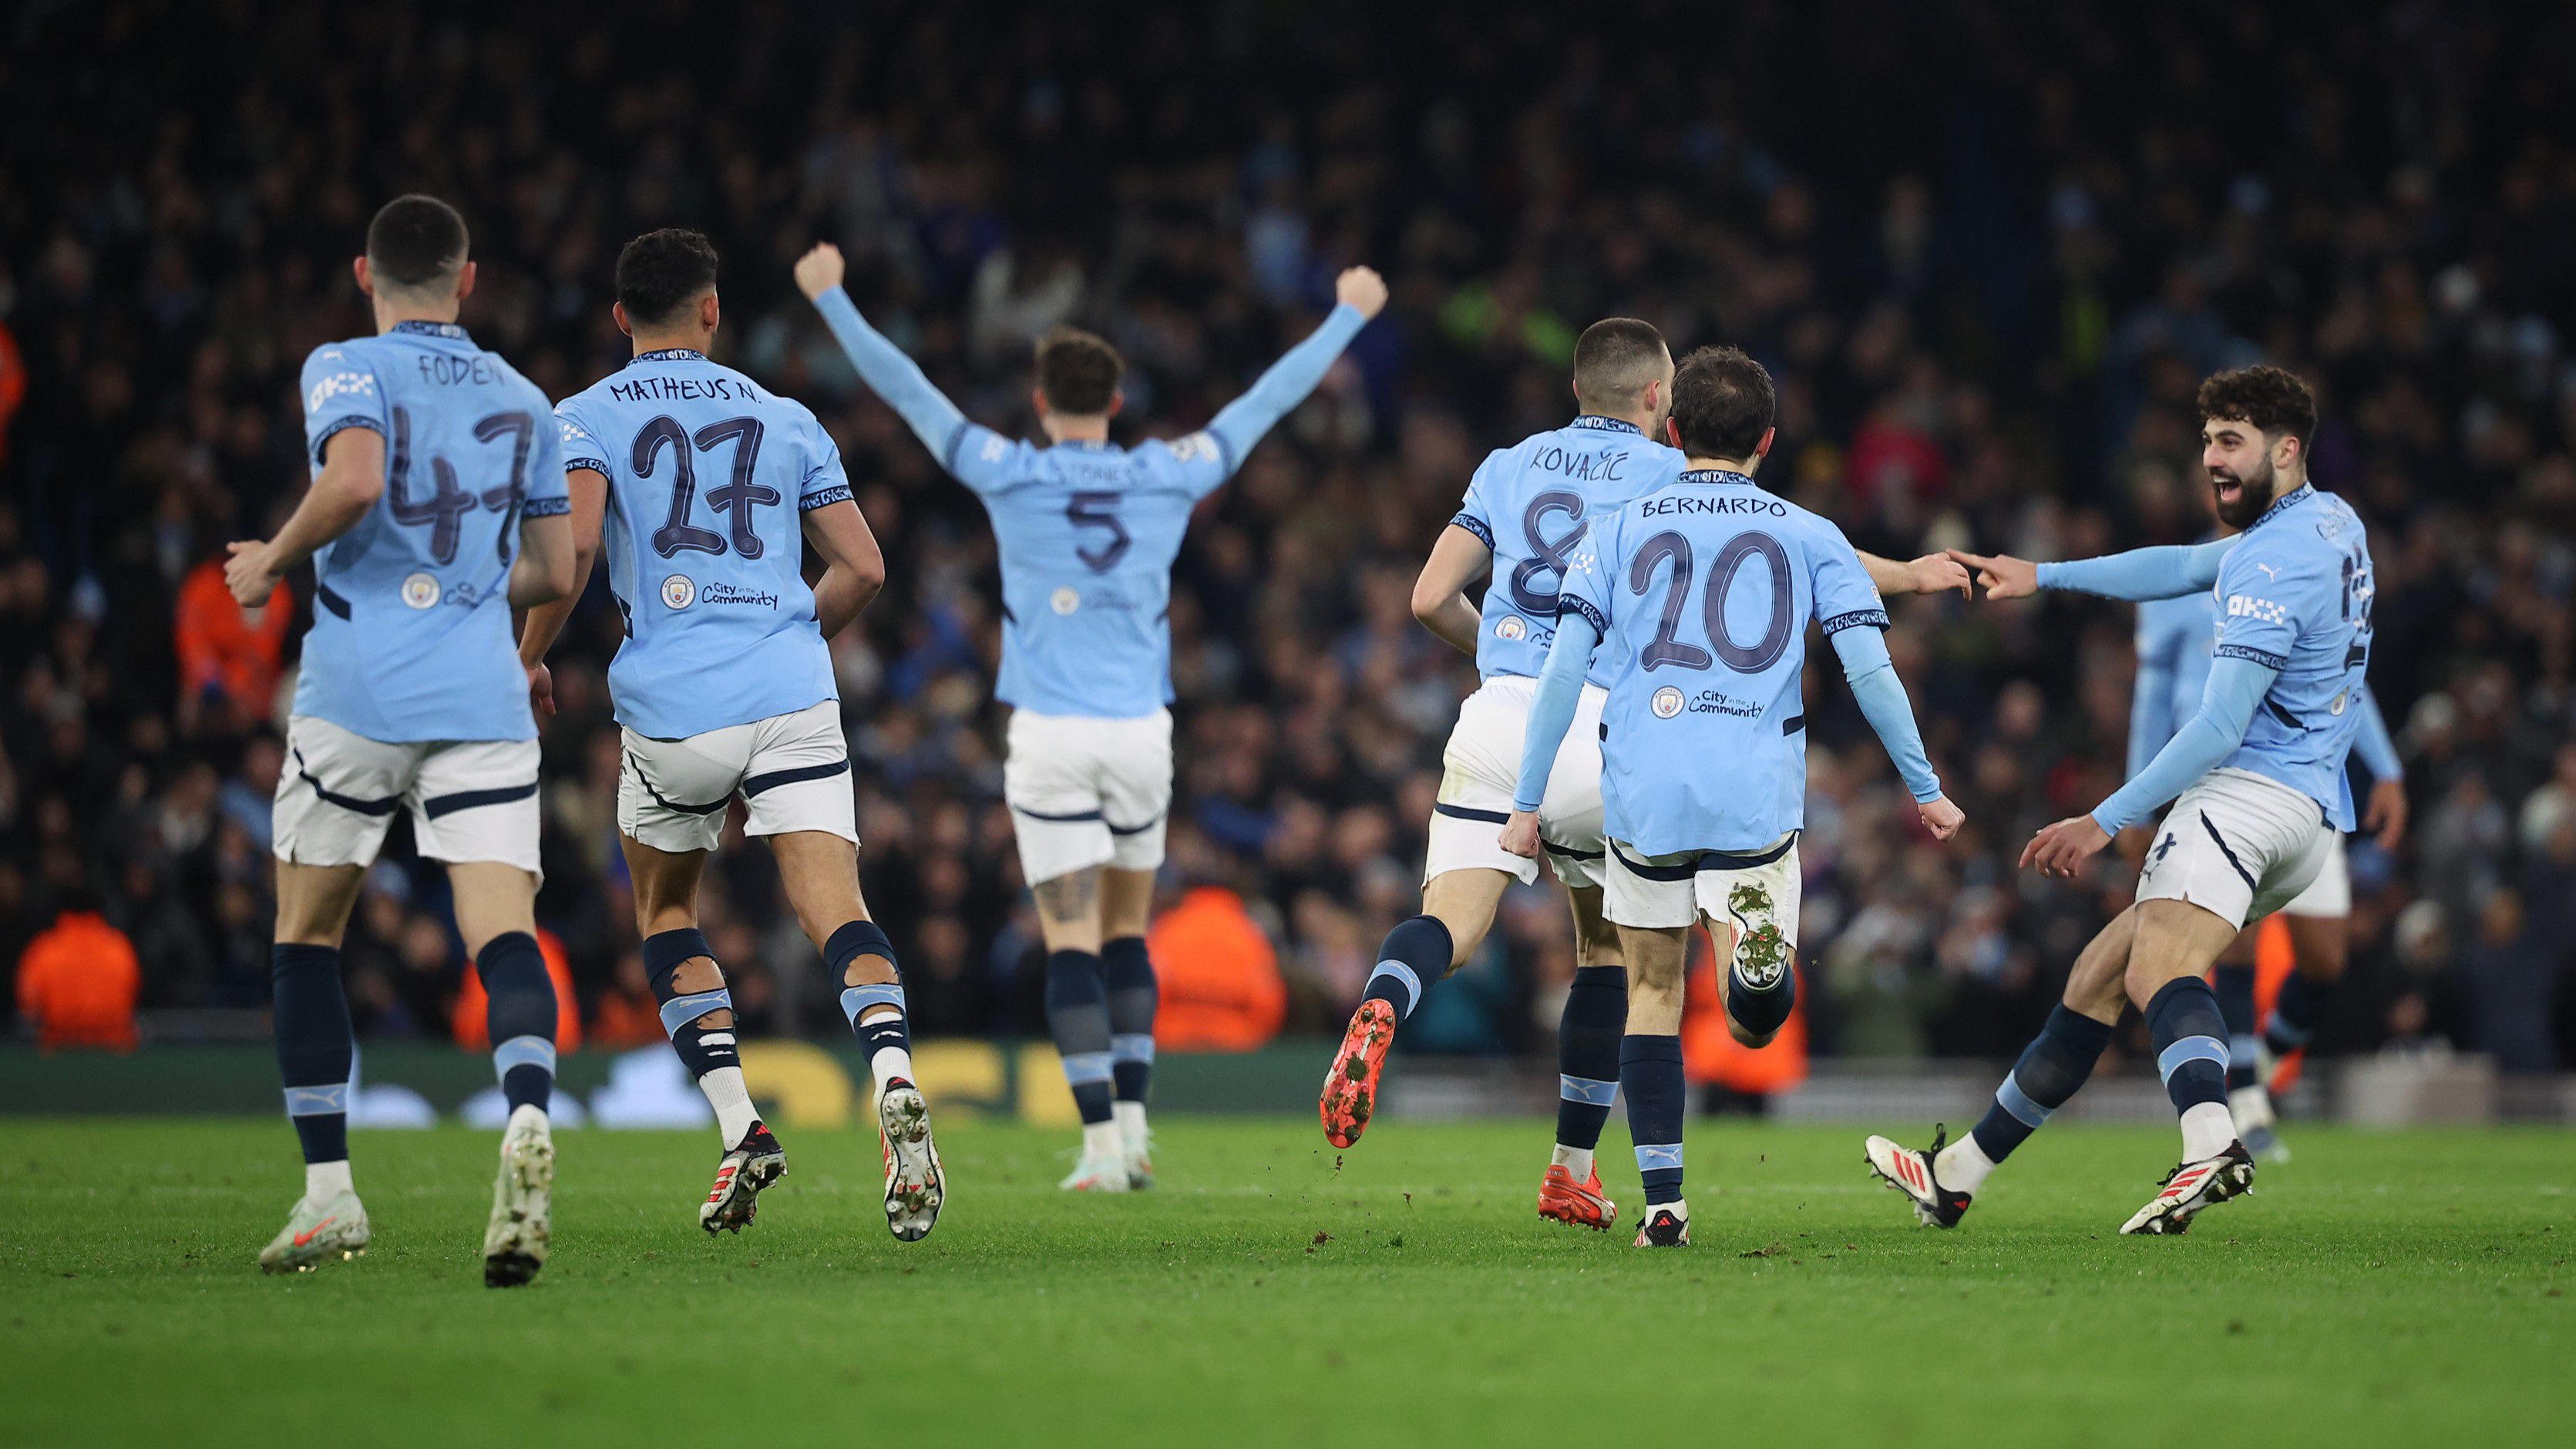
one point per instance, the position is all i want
(2381, 1288)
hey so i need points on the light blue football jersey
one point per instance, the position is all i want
(411, 632)
(1087, 533)
(1703, 590)
(1531, 505)
(709, 478)
(2295, 595)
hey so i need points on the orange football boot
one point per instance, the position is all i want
(1575, 1204)
(1350, 1088)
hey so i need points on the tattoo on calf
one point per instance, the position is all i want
(1067, 897)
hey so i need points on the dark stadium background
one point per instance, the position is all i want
(1988, 273)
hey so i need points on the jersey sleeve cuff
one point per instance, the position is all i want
(545, 508)
(2269, 660)
(1484, 532)
(1576, 603)
(1857, 618)
(338, 426)
(824, 498)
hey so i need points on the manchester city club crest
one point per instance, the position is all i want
(420, 591)
(1667, 702)
(1511, 626)
(1066, 600)
(678, 592)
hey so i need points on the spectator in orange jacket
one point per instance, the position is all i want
(227, 650)
(1221, 988)
(78, 981)
(474, 1034)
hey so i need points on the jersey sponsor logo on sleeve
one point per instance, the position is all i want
(337, 385)
(679, 591)
(994, 448)
(1195, 446)
(421, 591)
(2246, 606)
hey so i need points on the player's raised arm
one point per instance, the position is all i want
(1359, 294)
(2164, 572)
(891, 375)
(1852, 617)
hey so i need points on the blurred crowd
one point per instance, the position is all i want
(1988, 249)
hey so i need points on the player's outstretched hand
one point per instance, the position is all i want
(2385, 816)
(2003, 576)
(247, 573)
(1941, 817)
(1520, 834)
(1939, 573)
(819, 271)
(541, 691)
(1361, 288)
(2062, 848)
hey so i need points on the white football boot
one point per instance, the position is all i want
(514, 1244)
(914, 1185)
(2193, 1186)
(318, 1233)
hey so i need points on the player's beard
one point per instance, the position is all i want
(2253, 494)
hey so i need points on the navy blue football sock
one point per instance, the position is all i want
(1127, 970)
(2234, 986)
(519, 1013)
(864, 1005)
(2297, 1012)
(1587, 1053)
(313, 1046)
(1077, 1007)
(2050, 1070)
(1650, 1072)
(1415, 954)
(2190, 1040)
(702, 1049)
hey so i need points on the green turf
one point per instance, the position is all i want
(2382, 1288)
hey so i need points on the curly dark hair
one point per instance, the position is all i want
(2273, 399)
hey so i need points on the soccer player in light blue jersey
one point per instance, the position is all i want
(705, 489)
(1695, 598)
(436, 509)
(1526, 510)
(2258, 770)
(1088, 531)
(2175, 643)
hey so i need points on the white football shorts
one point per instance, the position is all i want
(2238, 845)
(470, 800)
(1482, 769)
(1085, 791)
(791, 770)
(2329, 896)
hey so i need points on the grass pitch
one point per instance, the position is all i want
(2381, 1288)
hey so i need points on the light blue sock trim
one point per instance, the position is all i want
(1586, 1090)
(1412, 983)
(1083, 1068)
(679, 1011)
(317, 1101)
(523, 1051)
(2018, 1103)
(855, 999)
(1659, 1157)
(2191, 1049)
(1133, 1047)
(2242, 1049)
